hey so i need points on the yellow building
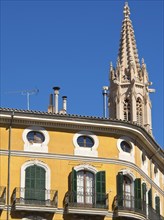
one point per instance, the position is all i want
(56, 166)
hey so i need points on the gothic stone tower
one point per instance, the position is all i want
(129, 83)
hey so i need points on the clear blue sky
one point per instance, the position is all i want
(70, 44)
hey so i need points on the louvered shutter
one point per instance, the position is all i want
(100, 189)
(144, 196)
(137, 193)
(35, 183)
(120, 179)
(157, 204)
(150, 197)
(74, 186)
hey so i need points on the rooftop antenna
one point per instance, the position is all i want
(27, 93)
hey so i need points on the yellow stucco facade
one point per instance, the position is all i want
(60, 158)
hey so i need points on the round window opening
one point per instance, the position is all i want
(143, 158)
(85, 141)
(35, 137)
(125, 146)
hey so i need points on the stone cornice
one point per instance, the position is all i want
(74, 122)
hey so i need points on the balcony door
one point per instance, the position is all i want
(85, 187)
(127, 192)
(34, 184)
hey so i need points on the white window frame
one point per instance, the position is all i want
(125, 155)
(86, 151)
(36, 147)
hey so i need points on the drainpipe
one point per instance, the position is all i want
(9, 156)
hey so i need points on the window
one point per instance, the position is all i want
(143, 158)
(150, 197)
(156, 175)
(35, 137)
(126, 149)
(155, 170)
(88, 189)
(139, 111)
(125, 146)
(144, 191)
(144, 162)
(126, 110)
(85, 141)
(86, 144)
(85, 187)
(128, 191)
(35, 176)
(157, 204)
(34, 184)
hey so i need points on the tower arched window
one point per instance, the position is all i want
(126, 110)
(139, 111)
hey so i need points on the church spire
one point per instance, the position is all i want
(128, 55)
(129, 93)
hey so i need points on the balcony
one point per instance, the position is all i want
(153, 215)
(129, 206)
(2, 197)
(86, 203)
(34, 200)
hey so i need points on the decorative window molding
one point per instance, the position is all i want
(36, 146)
(128, 173)
(38, 163)
(123, 155)
(86, 151)
(86, 167)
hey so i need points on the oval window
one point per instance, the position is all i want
(85, 141)
(143, 158)
(125, 147)
(35, 137)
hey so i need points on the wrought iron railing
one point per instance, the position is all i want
(153, 215)
(129, 203)
(2, 195)
(25, 196)
(86, 200)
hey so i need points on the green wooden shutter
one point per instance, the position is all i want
(157, 204)
(35, 183)
(137, 193)
(150, 197)
(120, 180)
(39, 183)
(100, 189)
(74, 186)
(144, 196)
